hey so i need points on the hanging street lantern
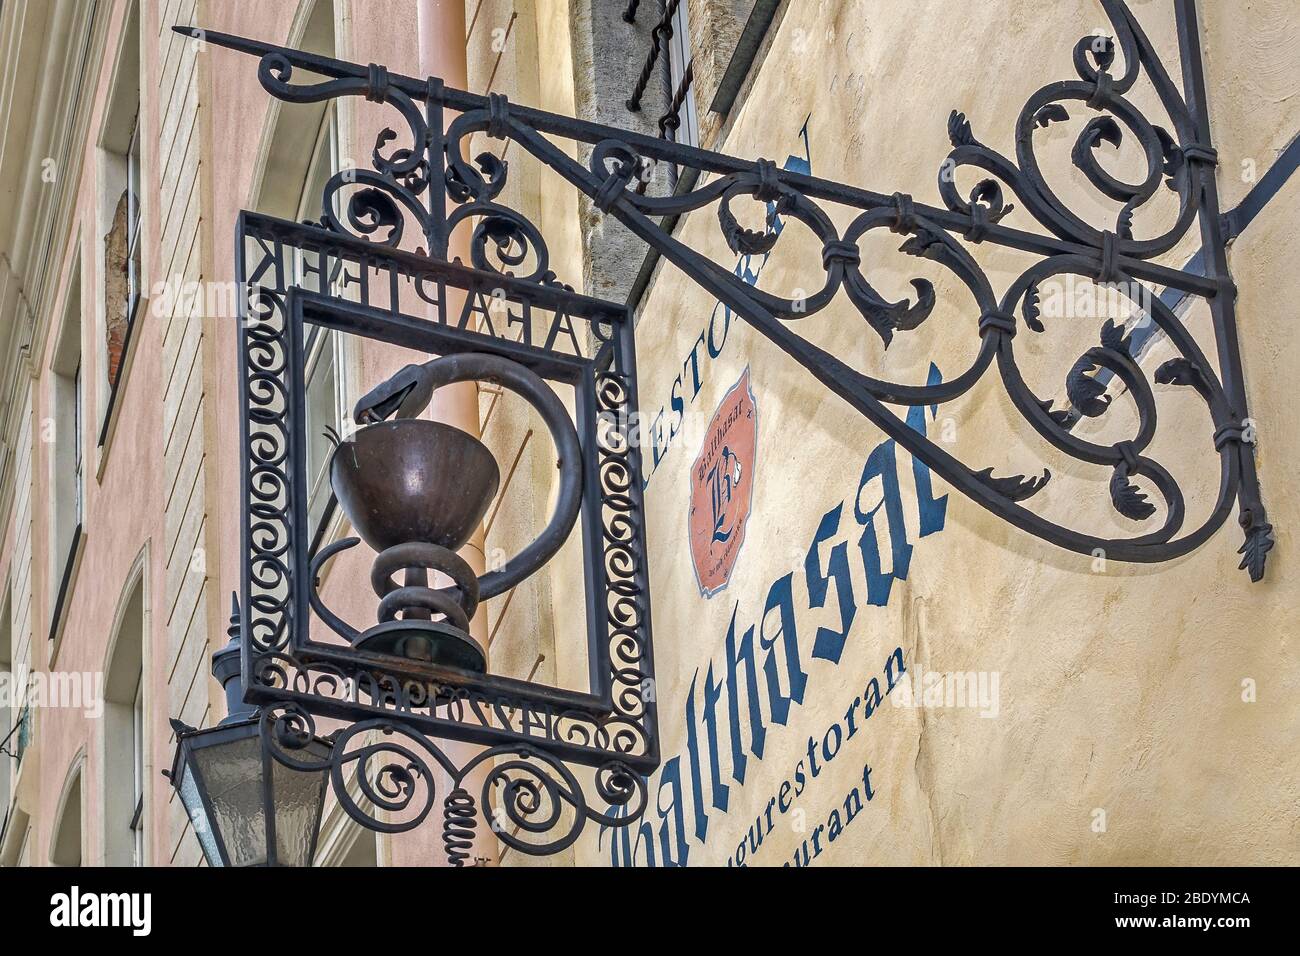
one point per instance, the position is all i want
(247, 808)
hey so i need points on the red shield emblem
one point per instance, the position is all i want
(722, 487)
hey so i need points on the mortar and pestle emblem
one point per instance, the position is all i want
(415, 490)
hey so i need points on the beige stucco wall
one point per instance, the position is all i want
(1121, 692)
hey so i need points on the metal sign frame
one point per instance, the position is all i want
(611, 727)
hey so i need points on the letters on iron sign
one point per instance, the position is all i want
(552, 318)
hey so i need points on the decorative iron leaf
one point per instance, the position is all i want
(1124, 225)
(1258, 543)
(959, 132)
(887, 317)
(372, 209)
(988, 193)
(457, 189)
(1168, 148)
(881, 320)
(1086, 393)
(1128, 498)
(382, 139)
(1114, 337)
(742, 241)
(1103, 129)
(1030, 311)
(1051, 113)
(491, 179)
(510, 240)
(1103, 52)
(1175, 165)
(750, 242)
(1061, 417)
(878, 312)
(913, 315)
(1014, 487)
(925, 244)
(417, 180)
(1178, 371)
(494, 168)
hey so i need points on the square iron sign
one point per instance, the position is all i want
(300, 277)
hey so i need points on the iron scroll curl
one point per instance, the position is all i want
(382, 774)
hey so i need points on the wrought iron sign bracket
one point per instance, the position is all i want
(422, 182)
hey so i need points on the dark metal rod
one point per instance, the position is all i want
(671, 120)
(659, 37)
(434, 156)
(1223, 310)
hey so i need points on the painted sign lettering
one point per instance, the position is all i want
(767, 674)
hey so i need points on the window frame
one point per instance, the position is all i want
(67, 412)
(123, 164)
(138, 771)
(680, 59)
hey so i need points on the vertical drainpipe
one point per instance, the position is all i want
(441, 26)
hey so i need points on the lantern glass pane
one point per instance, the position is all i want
(232, 776)
(298, 799)
(193, 802)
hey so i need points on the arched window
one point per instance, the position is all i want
(124, 733)
(66, 846)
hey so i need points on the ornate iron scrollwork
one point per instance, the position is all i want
(393, 787)
(379, 762)
(427, 185)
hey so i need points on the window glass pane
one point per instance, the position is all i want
(137, 756)
(133, 183)
(133, 218)
(76, 438)
(322, 412)
(323, 165)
